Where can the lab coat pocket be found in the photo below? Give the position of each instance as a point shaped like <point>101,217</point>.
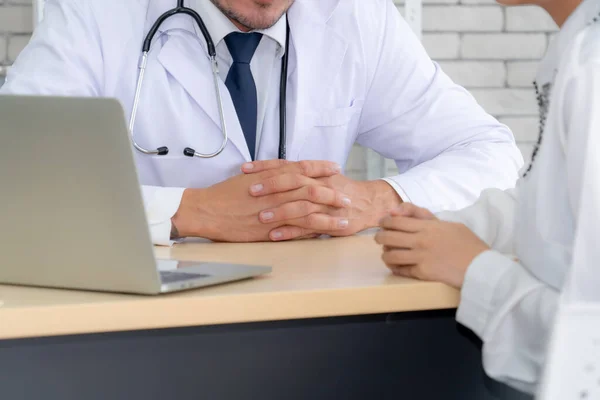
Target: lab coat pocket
<point>330,133</point>
<point>337,116</point>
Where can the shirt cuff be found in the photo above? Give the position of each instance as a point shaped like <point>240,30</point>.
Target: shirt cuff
<point>162,207</point>
<point>477,294</point>
<point>161,234</point>
<point>403,195</point>
<point>411,191</point>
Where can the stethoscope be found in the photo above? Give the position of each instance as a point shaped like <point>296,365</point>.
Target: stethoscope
<point>212,53</point>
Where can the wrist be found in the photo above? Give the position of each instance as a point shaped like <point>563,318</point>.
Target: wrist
<point>384,199</point>
<point>461,271</point>
<point>174,231</point>
<point>191,220</point>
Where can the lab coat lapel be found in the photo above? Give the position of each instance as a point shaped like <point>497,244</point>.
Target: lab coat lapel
<point>316,60</point>
<point>186,60</point>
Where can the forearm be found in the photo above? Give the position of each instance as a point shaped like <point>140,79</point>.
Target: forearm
<point>193,217</point>
<point>174,231</point>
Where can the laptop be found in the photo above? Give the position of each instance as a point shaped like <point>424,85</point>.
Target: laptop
<point>71,208</point>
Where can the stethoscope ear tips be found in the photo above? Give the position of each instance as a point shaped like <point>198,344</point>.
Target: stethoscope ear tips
<point>162,151</point>
<point>189,152</point>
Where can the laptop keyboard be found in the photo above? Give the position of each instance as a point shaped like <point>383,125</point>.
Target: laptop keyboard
<point>171,277</point>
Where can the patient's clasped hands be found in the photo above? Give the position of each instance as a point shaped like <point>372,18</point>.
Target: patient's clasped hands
<point>418,245</point>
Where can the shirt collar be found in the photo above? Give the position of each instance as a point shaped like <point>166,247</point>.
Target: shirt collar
<point>219,25</point>
<point>583,15</point>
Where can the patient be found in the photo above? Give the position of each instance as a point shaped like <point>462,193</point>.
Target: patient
<point>509,253</point>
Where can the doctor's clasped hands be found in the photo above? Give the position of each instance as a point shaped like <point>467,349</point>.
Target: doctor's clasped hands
<point>364,202</point>
<point>280,200</point>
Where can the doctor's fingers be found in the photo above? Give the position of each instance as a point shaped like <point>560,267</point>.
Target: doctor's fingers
<point>322,223</point>
<point>311,236</point>
<point>397,239</point>
<point>311,169</point>
<point>286,233</point>
<point>316,194</point>
<point>282,183</point>
<point>291,210</point>
<point>265,165</point>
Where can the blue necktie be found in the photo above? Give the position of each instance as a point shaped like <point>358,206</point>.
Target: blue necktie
<point>241,83</point>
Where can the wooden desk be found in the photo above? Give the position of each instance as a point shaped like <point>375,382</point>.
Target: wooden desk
<point>319,278</point>
<point>329,322</point>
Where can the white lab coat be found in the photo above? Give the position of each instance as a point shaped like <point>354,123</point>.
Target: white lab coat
<point>357,74</point>
<point>550,220</point>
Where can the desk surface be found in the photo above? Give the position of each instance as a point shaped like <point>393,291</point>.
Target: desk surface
<point>310,279</point>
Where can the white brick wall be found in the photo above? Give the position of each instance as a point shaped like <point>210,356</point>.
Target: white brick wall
<point>442,46</point>
<point>491,50</point>
<point>15,29</point>
<point>503,46</point>
<point>462,19</point>
<point>476,74</point>
<point>521,73</point>
<point>528,19</point>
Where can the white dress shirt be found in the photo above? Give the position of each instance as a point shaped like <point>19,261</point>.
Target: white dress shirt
<point>550,221</point>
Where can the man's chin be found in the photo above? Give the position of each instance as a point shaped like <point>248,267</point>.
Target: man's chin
<point>260,23</point>
<point>254,14</point>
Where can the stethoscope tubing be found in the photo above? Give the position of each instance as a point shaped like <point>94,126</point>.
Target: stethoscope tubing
<point>143,63</point>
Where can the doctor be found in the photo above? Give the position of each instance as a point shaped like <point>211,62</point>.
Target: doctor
<point>511,252</point>
<point>356,74</point>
